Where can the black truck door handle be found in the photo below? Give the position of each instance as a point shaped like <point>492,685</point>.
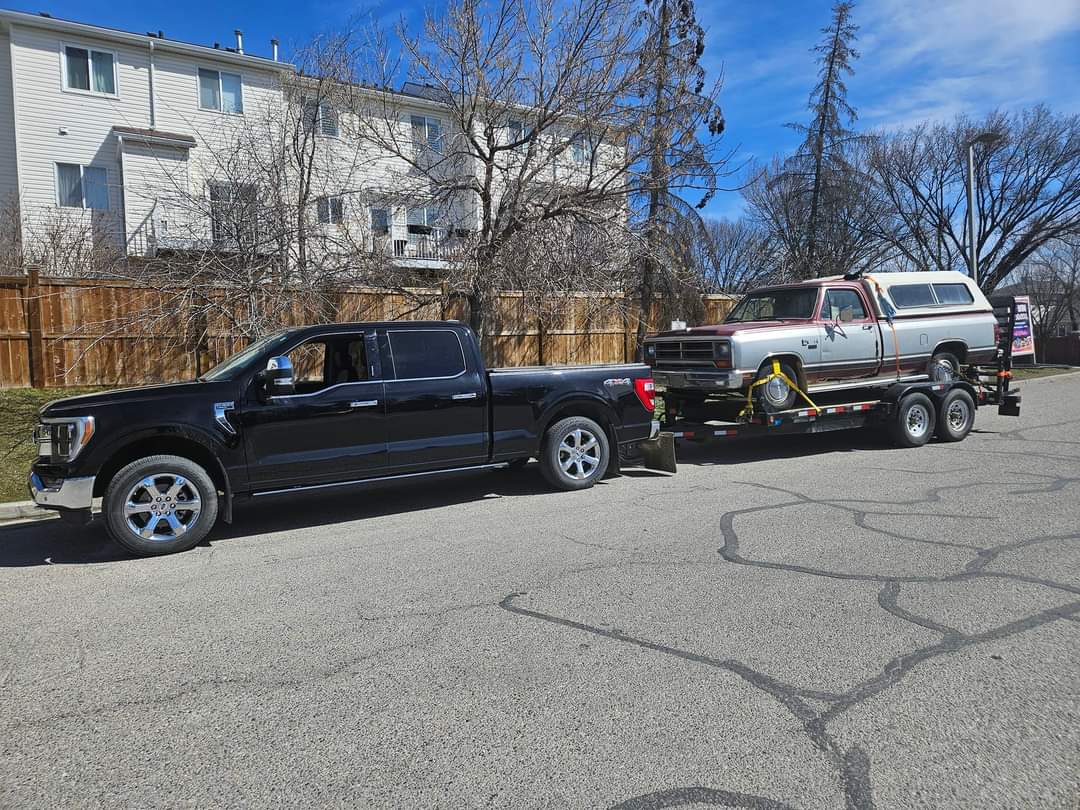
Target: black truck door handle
<point>364,403</point>
<point>471,395</point>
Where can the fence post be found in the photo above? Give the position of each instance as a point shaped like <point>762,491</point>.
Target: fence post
<point>35,328</point>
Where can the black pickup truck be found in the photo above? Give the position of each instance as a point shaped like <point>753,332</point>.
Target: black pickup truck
<point>327,406</point>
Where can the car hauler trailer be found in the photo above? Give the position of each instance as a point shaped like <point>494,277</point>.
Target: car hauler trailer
<point>911,412</point>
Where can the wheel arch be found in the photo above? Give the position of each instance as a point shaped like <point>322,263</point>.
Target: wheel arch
<point>172,445</point>
<point>592,408</point>
<point>796,361</point>
<point>955,346</point>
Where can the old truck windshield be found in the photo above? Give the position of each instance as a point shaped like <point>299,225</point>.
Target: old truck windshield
<point>775,305</point>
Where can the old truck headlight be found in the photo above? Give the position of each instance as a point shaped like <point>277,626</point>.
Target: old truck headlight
<point>722,354</point>
<point>63,439</point>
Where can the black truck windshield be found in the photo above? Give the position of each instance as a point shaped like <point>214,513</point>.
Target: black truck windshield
<point>226,368</point>
<point>775,305</point>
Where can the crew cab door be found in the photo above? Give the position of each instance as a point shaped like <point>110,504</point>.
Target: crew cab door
<point>332,428</point>
<point>849,336</point>
<point>437,399</point>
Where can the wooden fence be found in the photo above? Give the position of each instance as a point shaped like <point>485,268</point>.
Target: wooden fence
<point>71,332</point>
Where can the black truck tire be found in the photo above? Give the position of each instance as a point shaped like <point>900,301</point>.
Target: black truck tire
<point>956,416</point>
<point>914,420</point>
<point>160,505</point>
<point>775,395</point>
<point>575,453</point>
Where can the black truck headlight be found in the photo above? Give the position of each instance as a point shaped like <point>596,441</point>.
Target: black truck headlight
<point>63,439</point>
<point>722,354</point>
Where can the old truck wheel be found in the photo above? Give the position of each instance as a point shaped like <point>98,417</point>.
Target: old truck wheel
<point>575,453</point>
<point>776,394</point>
<point>160,504</point>
<point>944,367</point>
<point>913,422</point>
<point>956,417</point>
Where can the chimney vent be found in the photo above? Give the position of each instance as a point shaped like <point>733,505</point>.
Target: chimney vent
<point>274,47</point>
<point>160,34</point>
<point>239,40</point>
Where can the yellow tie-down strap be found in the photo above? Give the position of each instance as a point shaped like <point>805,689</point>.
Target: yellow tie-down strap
<point>748,411</point>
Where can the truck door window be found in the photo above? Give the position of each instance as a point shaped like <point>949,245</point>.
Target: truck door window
<point>842,305</point>
<point>426,353</point>
<point>309,366</point>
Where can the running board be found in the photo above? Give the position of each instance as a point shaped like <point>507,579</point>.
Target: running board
<point>305,487</point>
<point>873,382</point>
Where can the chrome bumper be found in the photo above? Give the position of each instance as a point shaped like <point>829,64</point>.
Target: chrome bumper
<point>701,380</point>
<point>72,493</point>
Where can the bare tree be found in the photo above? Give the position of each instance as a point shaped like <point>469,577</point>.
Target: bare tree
<point>679,133</point>
<point>528,127</point>
<point>1052,279</point>
<point>1028,183</point>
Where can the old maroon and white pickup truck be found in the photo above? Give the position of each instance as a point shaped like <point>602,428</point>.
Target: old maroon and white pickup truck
<point>829,334</point>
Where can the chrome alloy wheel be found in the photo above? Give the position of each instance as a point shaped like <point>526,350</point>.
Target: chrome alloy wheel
<point>162,507</point>
<point>959,414</point>
<point>579,454</point>
<point>918,420</point>
<point>777,391</point>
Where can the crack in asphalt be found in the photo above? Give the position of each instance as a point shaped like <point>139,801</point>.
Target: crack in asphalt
<point>852,764</point>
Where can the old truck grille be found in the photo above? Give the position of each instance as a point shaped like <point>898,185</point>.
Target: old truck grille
<point>684,352</point>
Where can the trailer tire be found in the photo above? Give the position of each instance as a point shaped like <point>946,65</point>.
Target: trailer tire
<point>914,420</point>
<point>956,416</point>
<point>575,453</point>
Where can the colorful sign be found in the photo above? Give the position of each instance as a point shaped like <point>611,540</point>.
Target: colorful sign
<point>1023,338</point>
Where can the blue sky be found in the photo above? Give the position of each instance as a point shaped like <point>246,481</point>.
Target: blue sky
<point>921,59</point>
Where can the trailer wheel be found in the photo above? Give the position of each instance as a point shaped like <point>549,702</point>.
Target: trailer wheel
<point>956,417</point>
<point>913,423</point>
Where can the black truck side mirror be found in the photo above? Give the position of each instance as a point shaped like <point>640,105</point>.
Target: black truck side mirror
<point>278,377</point>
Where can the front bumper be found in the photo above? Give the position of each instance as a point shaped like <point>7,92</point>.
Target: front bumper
<point>699,380</point>
<point>69,493</point>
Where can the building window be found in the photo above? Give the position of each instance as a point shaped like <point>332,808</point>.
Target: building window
<point>426,134</point>
<point>518,132</point>
<point>421,220</point>
<point>233,214</point>
<point>320,117</point>
<point>579,150</point>
<point>82,186</point>
<point>221,92</point>
<point>380,221</point>
<point>89,70</point>
<point>331,210</point>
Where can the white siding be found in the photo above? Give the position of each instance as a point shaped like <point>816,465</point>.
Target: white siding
<point>155,186</point>
<point>9,175</point>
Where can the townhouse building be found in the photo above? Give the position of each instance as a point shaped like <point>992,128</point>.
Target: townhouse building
<point>139,144</point>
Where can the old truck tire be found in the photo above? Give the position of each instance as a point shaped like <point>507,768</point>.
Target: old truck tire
<point>956,416</point>
<point>943,367</point>
<point>775,395</point>
<point>913,423</point>
<point>160,505</point>
<point>575,453</point>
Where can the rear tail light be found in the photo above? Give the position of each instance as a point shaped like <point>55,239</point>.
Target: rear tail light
<point>646,392</point>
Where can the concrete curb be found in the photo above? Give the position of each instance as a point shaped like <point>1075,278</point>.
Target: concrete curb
<point>23,510</point>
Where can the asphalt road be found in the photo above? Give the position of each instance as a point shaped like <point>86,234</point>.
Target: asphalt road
<point>819,622</point>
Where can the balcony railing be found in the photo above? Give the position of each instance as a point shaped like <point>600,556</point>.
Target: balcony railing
<point>400,244</point>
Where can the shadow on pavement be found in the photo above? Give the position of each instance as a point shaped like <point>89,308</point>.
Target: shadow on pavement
<point>768,448</point>
<point>52,542</point>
